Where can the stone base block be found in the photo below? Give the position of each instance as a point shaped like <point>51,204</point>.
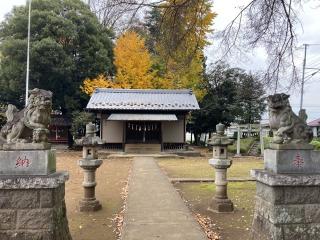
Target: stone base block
<point>26,146</point>
<point>292,161</point>
<point>27,162</point>
<point>89,205</point>
<point>291,146</point>
<point>33,208</point>
<point>287,206</point>
<point>221,206</point>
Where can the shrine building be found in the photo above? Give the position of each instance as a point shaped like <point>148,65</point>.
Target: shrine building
<point>142,120</point>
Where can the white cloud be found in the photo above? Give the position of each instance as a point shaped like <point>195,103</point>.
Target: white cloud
<point>7,5</point>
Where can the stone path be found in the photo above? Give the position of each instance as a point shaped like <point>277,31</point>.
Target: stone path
<point>154,209</point>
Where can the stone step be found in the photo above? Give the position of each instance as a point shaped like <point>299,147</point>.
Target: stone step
<point>254,149</point>
<point>143,148</point>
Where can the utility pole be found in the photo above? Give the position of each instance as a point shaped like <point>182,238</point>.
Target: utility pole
<point>303,72</point>
<point>28,54</point>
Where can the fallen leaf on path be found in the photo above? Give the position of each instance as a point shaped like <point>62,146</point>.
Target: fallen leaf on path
<point>207,224</point>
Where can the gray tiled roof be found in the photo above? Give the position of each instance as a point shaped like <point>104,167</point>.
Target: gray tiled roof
<point>142,99</point>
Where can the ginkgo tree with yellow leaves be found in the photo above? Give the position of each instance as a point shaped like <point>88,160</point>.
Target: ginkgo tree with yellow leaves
<point>101,81</point>
<point>133,64</point>
<point>176,38</point>
<point>181,42</point>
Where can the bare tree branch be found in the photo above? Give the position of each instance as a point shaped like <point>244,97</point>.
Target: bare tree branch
<point>269,24</point>
<point>261,23</point>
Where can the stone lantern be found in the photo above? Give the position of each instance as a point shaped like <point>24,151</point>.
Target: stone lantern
<point>221,163</point>
<point>89,164</point>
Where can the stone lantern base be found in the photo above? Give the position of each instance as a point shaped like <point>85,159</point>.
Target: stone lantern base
<point>221,205</point>
<point>89,206</point>
<point>89,203</point>
<point>220,202</point>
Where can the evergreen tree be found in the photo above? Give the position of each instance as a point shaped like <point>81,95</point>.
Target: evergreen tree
<point>231,96</point>
<point>68,44</point>
<point>250,99</point>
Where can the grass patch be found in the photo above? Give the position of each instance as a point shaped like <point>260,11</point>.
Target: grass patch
<point>245,144</point>
<point>199,167</point>
<point>266,143</point>
<point>232,225</point>
<point>316,143</point>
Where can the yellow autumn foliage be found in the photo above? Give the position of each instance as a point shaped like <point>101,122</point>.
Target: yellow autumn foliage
<point>133,62</point>
<point>133,68</point>
<point>101,81</point>
<point>183,37</point>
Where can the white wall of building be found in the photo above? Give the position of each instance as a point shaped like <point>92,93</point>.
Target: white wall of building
<point>173,132</point>
<point>315,131</point>
<point>112,131</point>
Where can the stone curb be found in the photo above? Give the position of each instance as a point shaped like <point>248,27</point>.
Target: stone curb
<point>190,180</point>
<point>157,156</point>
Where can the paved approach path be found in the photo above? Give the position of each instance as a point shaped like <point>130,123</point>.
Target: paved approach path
<point>154,208</point>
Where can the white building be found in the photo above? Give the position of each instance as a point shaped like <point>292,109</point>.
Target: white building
<point>315,125</point>
<point>147,119</point>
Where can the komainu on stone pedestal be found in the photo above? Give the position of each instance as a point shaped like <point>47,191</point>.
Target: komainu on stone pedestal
<point>32,193</point>
<point>287,196</point>
<point>289,127</point>
<point>30,125</point>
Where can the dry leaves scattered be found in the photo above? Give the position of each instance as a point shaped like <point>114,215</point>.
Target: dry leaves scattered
<point>119,217</point>
<point>207,225</point>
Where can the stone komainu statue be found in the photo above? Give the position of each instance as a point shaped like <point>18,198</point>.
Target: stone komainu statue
<point>31,123</point>
<point>289,127</point>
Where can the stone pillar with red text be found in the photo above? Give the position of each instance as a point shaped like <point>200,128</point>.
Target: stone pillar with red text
<point>288,194</point>
<point>32,195</point>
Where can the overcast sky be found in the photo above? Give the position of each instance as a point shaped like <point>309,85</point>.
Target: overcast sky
<point>310,34</point>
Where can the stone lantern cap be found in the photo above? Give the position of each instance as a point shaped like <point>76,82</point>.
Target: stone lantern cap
<point>219,139</point>
<point>90,139</point>
<point>90,129</point>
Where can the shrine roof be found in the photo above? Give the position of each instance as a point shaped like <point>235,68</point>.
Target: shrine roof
<point>143,99</point>
<point>314,123</point>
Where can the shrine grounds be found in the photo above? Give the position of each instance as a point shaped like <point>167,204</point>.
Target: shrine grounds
<point>112,179</point>
<point>197,195</point>
<point>111,189</point>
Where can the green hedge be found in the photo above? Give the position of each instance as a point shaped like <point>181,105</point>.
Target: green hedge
<point>316,143</point>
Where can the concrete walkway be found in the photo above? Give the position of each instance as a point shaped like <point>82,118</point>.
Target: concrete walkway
<point>154,208</point>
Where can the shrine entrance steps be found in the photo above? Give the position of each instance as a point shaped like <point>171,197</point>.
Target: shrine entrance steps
<point>154,209</point>
<point>143,148</point>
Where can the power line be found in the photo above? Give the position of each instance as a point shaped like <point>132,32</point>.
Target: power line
<point>304,70</point>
